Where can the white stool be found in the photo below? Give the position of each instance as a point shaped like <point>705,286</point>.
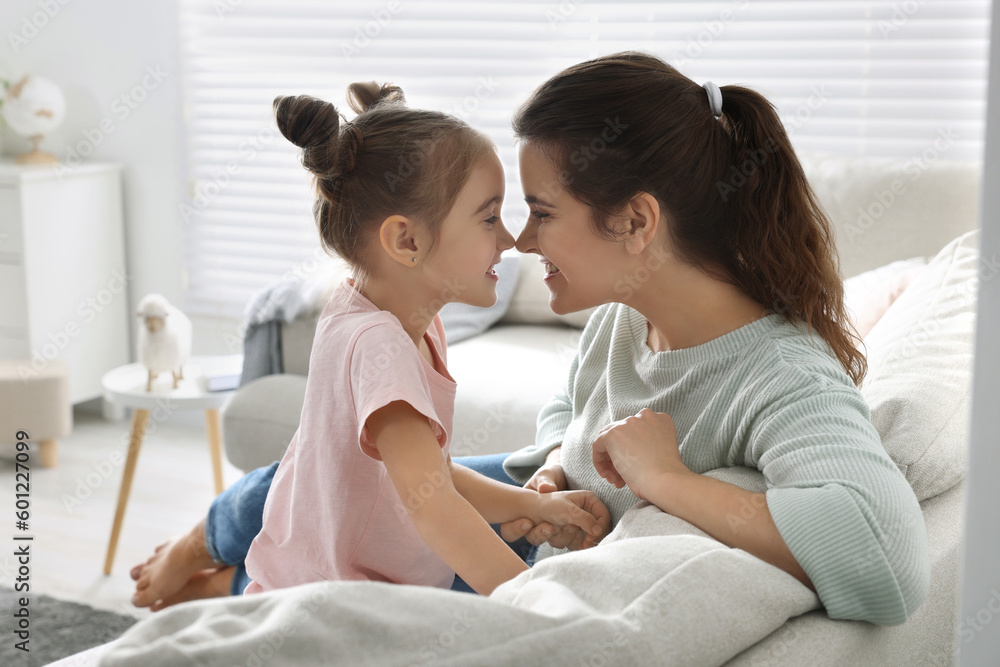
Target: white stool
<point>35,401</point>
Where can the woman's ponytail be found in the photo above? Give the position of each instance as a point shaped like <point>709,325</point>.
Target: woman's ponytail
<point>782,239</point>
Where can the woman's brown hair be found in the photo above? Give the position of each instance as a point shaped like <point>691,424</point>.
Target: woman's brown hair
<point>388,160</point>
<point>735,197</point>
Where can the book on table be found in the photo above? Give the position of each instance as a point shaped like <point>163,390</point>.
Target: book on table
<point>221,372</point>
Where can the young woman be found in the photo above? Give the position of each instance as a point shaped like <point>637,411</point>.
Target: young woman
<point>721,341</point>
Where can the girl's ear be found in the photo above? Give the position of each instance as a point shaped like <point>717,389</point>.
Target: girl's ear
<point>642,217</point>
<point>398,237</point>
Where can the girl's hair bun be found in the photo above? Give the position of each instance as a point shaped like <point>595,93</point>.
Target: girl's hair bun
<point>364,95</point>
<point>310,124</point>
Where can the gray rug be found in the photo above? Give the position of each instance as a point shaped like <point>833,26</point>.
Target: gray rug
<point>57,629</point>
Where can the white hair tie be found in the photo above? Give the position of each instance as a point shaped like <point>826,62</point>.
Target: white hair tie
<point>714,98</point>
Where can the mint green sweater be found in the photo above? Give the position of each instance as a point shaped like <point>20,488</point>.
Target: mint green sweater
<point>769,396</point>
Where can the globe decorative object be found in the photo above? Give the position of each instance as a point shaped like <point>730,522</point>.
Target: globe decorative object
<point>33,108</point>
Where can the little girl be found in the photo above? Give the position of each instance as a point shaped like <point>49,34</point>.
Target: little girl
<point>366,489</point>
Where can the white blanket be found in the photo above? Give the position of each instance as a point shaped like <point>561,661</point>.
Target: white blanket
<point>656,591</point>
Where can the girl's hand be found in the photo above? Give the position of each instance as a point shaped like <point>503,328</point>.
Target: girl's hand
<point>547,479</point>
<point>581,515</point>
<point>638,451</point>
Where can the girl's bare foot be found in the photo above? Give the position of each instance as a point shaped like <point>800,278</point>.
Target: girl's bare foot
<point>204,584</point>
<point>171,566</point>
<point>136,571</point>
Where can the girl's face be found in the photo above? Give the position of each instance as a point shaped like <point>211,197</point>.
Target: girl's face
<point>582,268</point>
<point>471,239</point>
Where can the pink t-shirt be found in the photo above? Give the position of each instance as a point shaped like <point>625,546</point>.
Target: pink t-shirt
<point>332,512</point>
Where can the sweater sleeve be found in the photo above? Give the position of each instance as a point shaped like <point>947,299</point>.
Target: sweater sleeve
<point>555,417</point>
<point>844,509</point>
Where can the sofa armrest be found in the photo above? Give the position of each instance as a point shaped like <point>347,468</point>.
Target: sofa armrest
<point>260,419</point>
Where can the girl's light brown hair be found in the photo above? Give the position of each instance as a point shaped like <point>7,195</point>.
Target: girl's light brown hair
<point>388,160</point>
<point>735,198</point>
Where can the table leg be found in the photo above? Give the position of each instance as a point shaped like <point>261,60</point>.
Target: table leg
<point>49,449</point>
<point>139,419</point>
<point>215,446</point>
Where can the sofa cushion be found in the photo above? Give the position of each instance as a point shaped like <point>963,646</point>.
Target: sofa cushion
<point>919,382</point>
<point>886,209</point>
<point>868,295</point>
<point>504,378</point>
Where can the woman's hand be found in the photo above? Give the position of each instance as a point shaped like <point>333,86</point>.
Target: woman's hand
<point>638,451</point>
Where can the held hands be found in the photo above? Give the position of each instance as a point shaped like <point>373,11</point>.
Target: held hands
<point>638,451</point>
<point>578,516</point>
<point>551,478</point>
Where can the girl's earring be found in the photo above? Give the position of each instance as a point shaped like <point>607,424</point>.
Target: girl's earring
<point>413,259</point>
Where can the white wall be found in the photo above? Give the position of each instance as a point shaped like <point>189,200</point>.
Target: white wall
<point>98,51</point>
<point>979,614</point>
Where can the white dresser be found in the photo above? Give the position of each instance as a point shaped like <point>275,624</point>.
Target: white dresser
<point>63,286</point>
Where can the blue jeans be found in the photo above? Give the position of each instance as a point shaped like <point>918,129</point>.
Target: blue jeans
<point>236,515</point>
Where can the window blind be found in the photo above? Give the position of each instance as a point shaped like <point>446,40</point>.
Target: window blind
<point>877,79</point>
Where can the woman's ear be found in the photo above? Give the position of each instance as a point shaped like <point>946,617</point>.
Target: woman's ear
<point>398,237</point>
<point>642,216</point>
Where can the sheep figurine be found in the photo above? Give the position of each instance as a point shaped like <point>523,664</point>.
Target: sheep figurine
<point>164,338</point>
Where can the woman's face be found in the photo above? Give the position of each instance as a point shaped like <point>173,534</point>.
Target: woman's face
<point>582,268</point>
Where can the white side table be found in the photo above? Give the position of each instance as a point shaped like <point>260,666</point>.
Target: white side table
<point>126,386</point>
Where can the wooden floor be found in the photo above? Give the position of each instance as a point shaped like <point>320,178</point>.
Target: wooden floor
<point>72,506</point>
